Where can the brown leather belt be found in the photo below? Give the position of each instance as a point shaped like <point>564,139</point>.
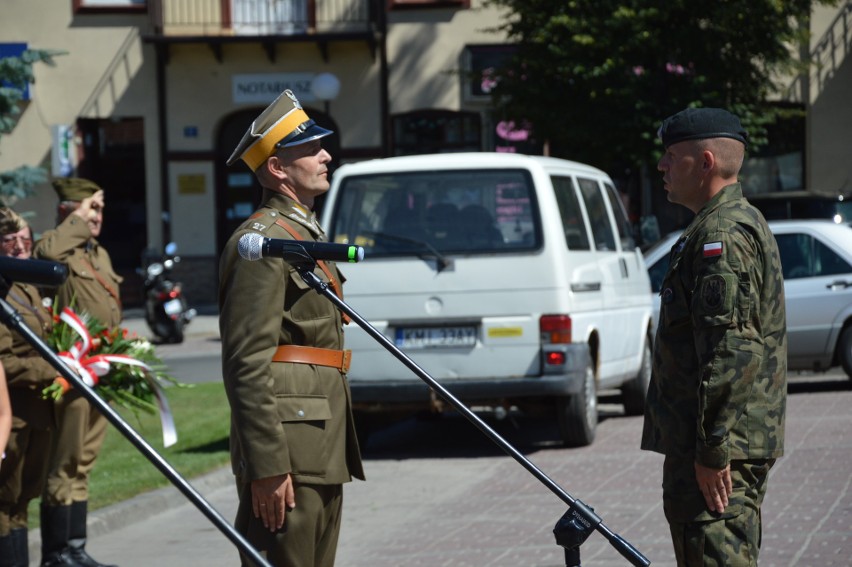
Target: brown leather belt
<point>339,359</point>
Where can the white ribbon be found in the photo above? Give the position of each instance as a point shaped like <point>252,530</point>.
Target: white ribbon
<point>90,368</point>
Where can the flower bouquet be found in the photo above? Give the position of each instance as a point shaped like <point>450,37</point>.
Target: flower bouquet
<point>121,368</point>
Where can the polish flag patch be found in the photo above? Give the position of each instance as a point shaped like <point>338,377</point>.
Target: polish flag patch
<point>712,249</point>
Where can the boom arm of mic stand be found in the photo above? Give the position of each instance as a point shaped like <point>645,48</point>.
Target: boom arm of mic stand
<point>12,319</point>
<point>622,546</point>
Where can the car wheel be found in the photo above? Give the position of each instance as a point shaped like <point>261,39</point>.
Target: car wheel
<point>577,415</point>
<point>634,392</point>
<point>844,350</point>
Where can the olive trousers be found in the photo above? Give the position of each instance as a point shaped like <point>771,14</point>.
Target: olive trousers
<point>310,533</point>
<point>80,434</point>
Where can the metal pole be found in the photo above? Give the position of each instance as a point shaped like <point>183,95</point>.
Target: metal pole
<point>577,507</point>
<point>13,320</point>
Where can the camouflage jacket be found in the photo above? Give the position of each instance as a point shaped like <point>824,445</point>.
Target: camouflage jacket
<point>719,384</point>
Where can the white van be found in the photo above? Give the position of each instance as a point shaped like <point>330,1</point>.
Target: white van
<point>513,280</point>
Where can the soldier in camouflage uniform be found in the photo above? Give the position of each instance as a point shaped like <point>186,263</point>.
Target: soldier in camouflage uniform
<point>717,398</point>
<point>93,287</point>
<point>293,441</point>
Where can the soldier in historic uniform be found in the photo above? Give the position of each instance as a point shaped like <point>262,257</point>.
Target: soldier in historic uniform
<point>717,398</point>
<point>293,440</point>
<point>23,471</point>
<point>92,287</point>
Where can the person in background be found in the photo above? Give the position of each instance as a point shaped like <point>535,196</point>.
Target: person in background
<point>23,472</point>
<point>717,398</point>
<point>92,287</point>
<point>293,441</point>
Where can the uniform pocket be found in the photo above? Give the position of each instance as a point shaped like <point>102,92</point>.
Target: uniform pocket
<point>303,303</point>
<point>305,422</point>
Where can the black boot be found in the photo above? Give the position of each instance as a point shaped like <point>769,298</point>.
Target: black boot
<point>22,550</point>
<point>54,537</point>
<point>9,552</point>
<point>77,536</point>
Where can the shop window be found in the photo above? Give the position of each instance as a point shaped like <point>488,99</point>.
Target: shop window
<point>436,131</point>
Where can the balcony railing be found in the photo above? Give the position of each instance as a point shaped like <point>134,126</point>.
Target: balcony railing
<point>826,58</point>
<point>260,17</point>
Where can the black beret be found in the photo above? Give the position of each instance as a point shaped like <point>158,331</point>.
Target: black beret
<point>699,124</point>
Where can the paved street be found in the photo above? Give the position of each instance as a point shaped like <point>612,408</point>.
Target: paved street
<point>440,494</point>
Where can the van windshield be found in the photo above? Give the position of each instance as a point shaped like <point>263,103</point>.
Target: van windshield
<point>438,212</point>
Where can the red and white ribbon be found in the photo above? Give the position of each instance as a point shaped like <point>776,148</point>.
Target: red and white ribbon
<point>90,368</point>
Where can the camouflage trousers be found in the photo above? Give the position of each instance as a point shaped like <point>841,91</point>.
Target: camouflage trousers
<point>712,539</point>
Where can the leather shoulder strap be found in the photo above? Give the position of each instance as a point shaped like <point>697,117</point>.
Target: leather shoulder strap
<point>332,281</point>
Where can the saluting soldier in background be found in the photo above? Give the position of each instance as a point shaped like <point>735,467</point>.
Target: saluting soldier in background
<point>93,287</point>
<point>23,471</point>
<point>716,403</point>
<point>293,440</point>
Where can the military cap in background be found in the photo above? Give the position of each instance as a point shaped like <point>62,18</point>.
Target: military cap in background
<point>284,123</point>
<point>10,221</point>
<point>700,124</point>
<point>74,188</point>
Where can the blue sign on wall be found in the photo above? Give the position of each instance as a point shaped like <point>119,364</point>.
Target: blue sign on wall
<point>14,50</point>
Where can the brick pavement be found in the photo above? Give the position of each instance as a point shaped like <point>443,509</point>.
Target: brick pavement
<point>440,494</point>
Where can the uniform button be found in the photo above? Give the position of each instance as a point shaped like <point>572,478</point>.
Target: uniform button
<point>300,413</point>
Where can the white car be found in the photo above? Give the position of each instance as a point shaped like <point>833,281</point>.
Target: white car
<point>816,258</point>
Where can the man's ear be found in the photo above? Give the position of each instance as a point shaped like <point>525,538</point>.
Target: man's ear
<point>63,210</point>
<point>273,168</point>
<point>708,161</point>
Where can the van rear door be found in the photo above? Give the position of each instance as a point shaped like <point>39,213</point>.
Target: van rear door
<point>451,271</point>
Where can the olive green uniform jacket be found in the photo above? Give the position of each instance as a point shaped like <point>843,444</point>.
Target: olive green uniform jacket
<point>27,373</point>
<point>23,472</point>
<point>718,389</point>
<point>92,283</point>
<point>285,417</point>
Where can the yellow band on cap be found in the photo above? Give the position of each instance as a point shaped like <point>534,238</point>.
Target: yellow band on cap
<point>257,153</point>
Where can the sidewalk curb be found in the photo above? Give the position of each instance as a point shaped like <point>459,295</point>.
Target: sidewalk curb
<point>142,506</point>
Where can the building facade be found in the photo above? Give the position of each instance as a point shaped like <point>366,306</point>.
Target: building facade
<point>151,97</point>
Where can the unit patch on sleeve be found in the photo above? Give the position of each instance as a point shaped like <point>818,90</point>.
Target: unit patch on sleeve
<point>713,293</point>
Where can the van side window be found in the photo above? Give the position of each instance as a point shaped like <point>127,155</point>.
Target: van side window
<point>441,211</point>
<point>625,233</point>
<point>573,223</point>
<point>599,219</point>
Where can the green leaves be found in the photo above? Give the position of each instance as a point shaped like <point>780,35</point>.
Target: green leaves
<point>16,73</point>
<point>599,75</point>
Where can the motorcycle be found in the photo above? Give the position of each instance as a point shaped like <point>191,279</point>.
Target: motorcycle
<point>166,310</point>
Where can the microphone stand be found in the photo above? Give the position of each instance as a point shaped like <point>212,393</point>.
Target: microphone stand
<point>12,319</point>
<point>575,525</point>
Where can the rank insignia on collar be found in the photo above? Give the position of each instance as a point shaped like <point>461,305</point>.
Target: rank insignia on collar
<point>712,249</point>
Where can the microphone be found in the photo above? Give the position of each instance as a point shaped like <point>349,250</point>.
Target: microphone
<point>37,272</point>
<point>253,246</point>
